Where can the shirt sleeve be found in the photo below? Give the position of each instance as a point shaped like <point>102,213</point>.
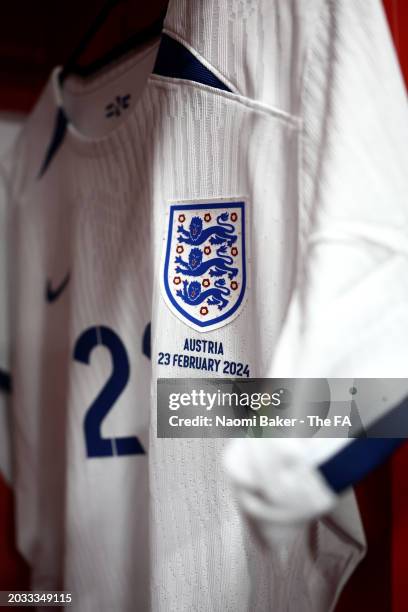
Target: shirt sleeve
<point>348,315</point>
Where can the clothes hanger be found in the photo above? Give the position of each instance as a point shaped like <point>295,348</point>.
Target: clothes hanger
<point>73,67</point>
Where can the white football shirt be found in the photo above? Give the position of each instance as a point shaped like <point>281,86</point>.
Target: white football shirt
<point>187,198</point>
<point>81,510</point>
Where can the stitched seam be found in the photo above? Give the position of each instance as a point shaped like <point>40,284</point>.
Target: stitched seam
<point>289,120</point>
<point>304,80</point>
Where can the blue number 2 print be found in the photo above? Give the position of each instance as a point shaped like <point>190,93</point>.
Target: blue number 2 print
<point>96,445</point>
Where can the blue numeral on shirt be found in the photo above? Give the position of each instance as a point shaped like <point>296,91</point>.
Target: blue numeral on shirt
<point>96,445</point>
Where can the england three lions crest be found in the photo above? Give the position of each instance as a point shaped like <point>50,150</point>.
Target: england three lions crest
<point>204,274</point>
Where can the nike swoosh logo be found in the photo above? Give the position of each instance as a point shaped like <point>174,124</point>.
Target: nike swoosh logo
<point>51,294</point>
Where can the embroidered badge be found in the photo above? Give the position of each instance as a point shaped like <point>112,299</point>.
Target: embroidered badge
<point>204,276</point>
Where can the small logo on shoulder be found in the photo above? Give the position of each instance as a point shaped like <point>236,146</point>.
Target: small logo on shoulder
<point>204,277</point>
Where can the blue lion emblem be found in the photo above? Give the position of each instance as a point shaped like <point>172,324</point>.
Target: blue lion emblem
<point>193,295</point>
<point>195,235</point>
<point>204,268</point>
<point>217,265</point>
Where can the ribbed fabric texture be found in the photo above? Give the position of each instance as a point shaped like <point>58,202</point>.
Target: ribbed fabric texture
<point>297,143</point>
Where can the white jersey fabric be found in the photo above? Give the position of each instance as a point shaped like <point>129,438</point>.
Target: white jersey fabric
<point>223,152</point>
<point>325,62</point>
<point>81,521</point>
<point>348,315</point>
